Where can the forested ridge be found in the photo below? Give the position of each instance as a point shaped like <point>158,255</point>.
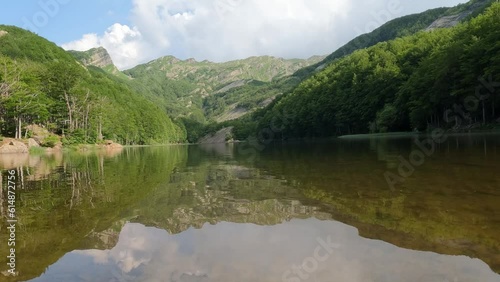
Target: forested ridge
<point>203,91</point>
<point>259,123</point>
<point>187,88</point>
<point>399,27</point>
<point>400,77</point>
<point>443,78</point>
<point>42,84</point>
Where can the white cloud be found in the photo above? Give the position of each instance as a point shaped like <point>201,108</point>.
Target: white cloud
<point>124,44</point>
<point>222,30</point>
<point>88,41</point>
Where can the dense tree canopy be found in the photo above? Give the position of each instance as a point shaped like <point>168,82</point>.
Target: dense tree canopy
<point>42,84</point>
<point>440,78</point>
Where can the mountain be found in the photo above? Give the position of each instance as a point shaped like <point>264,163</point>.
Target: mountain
<point>226,104</point>
<point>97,57</point>
<point>203,97</point>
<point>209,76</point>
<point>403,26</point>
<point>43,84</point>
<point>225,93</point>
<point>439,78</point>
<point>201,93</point>
<point>182,87</point>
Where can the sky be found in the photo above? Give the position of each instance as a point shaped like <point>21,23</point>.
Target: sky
<point>138,31</point>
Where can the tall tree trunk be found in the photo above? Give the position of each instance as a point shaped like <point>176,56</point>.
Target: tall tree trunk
<point>70,111</point>
<point>86,122</point>
<point>99,130</point>
<point>19,127</point>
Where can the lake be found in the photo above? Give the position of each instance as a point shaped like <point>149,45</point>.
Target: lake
<point>389,208</point>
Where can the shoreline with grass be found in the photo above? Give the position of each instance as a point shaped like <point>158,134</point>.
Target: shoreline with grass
<point>50,145</point>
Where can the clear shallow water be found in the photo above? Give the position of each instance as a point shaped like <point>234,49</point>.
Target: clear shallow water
<point>291,212</point>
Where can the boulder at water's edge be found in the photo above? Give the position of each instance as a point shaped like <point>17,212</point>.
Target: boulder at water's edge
<point>12,146</point>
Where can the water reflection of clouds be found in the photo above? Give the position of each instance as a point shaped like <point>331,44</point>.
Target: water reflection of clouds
<point>247,252</point>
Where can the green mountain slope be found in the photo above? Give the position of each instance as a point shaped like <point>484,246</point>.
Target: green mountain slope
<point>237,99</point>
<point>198,94</point>
<point>441,78</point>
<point>43,84</point>
<point>182,87</point>
<point>224,107</point>
<point>400,27</point>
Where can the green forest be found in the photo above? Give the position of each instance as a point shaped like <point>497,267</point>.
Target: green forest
<point>442,78</point>
<point>42,84</point>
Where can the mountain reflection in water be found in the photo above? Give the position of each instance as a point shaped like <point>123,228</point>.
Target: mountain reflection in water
<point>217,213</point>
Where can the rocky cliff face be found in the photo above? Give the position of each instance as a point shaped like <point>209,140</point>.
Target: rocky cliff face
<point>98,57</point>
<point>461,13</point>
<point>448,21</point>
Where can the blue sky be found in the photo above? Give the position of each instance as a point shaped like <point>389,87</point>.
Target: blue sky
<point>72,19</point>
<point>136,31</point>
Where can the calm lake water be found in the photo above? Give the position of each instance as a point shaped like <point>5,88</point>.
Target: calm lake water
<point>353,209</point>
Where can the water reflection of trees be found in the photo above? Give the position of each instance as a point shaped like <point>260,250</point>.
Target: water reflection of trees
<point>426,212</point>
<point>77,201</point>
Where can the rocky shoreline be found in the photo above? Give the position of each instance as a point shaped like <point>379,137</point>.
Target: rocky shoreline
<point>21,146</point>
<point>13,146</point>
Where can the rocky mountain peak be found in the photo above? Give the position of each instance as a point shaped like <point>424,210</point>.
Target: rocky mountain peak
<point>98,57</point>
